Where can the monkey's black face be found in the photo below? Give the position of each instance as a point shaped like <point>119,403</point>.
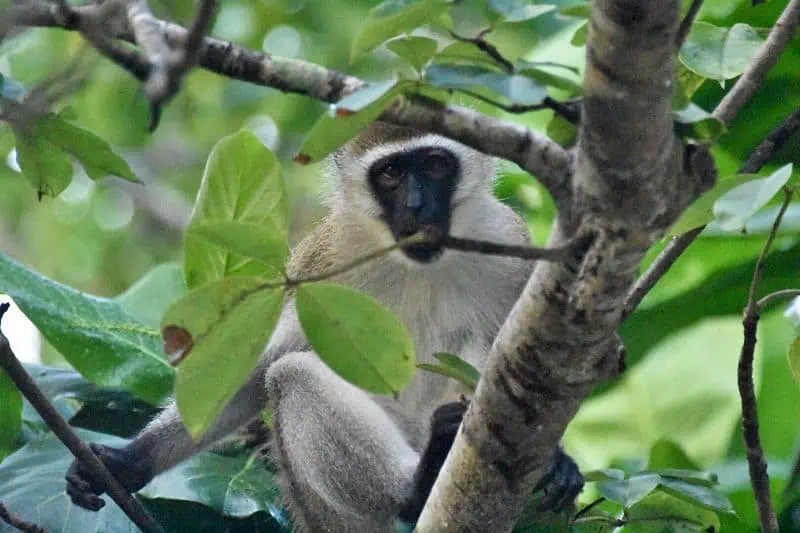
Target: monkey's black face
<point>414,190</point>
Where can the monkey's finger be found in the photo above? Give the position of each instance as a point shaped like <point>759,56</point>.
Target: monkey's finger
<point>574,487</point>
<point>87,500</point>
<point>545,481</point>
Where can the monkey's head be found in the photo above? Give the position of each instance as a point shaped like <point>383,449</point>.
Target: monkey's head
<point>397,181</point>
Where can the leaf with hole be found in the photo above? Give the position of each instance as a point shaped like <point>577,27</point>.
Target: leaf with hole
<point>416,51</point>
<point>391,18</point>
<point>519,10</point>
<point>734,208</point>
<point>515,88</point>
<point>242,188</point>
<point>222,329</point>
<point>357,336</point>
<point>719,53</point>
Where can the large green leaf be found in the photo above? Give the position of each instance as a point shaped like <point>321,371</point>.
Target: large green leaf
<point>719,53</point>
<point>416,51</point>
<point>515,88</point>
<point>629,491</point>
<point>348,117</point>
<point>242,183</point>
<point>95,335</point>
<point>359,338</point>
<point>391,18</point>
<point>736,206</point>
<point>219,331</point>
<point>148,298</point>
<point>10,415</point>
<point>237,486</point>
<point>32,486</point>
<point>662,513</point>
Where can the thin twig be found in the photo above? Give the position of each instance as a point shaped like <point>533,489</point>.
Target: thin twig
<point>560,254</point>
<point>569,110</point>
<point>589,507</point>
<point>61,429</point>
<point>687,22</point>
<point>764,302</point>
<point>17,522</point>
<point>756,461</point>
<point>753,77</point>
<point>487,48</point>
<point>659,267</point>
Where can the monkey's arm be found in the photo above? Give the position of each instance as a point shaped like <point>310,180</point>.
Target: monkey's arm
<point>163,444</point>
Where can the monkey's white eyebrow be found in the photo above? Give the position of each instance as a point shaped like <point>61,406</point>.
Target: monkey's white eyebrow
<point>426,141</point>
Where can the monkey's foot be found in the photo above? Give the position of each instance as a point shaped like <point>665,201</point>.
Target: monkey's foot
<point>561,485</point>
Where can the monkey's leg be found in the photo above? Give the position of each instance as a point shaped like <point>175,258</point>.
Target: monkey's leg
<point>161,445</point>
<point>345,466</point>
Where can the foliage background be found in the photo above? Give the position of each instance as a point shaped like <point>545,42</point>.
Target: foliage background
<point>683,343</point>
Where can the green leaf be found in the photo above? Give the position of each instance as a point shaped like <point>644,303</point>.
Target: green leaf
<point>579,10</point>
<point>519,10</point>
<point>516,88</point>
<point>794,359</point>
<point>391,18</point>
<point>719,53</point>
<point>604,474</point>
<point>32,486</point>
<point>43,164</point>
<point>662,513</point>
<point>548,78</point>
<point>263,241</point>
<point>693,477</point>
<point>703,496</point>
<point>92,152</point>
<point>351,115</point>
<point>359,338</point>
<point>701,212</point>
<point>696,124</point>
<point>465,53</point>
<point>734,208</point>
<point>629,491</point>
<point>416,51</point>
<point>95,335</point>
<point>237,486</point>
<point>666,454</point>
<point>580,35</point>
<point>218,333</point>
<point>148,298</point>
<point>242,183</point>
<point>454,367</point>
<point>562,131</point>
<point>10,415</point>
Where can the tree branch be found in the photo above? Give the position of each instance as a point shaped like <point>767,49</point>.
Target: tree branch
<point>630,184</point>
<point>535,153</point>
<point>756,461</point>
<point>17,522</point>
<point>766,58</point>
<point>79,449</point>
<point>764,302</point>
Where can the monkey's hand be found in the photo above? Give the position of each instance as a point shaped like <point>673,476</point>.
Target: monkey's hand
<point>445,422</point>
<point>85,491</point>
<point>561,484</point>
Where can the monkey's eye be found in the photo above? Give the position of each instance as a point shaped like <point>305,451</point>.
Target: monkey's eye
<point>390,177</point>
<point>438,166</point>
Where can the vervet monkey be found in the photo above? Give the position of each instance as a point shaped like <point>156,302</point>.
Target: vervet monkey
<point>351,461</point>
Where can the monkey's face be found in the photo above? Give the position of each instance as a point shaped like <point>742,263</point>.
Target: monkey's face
<point>396,182</point>
<point>414,189</point>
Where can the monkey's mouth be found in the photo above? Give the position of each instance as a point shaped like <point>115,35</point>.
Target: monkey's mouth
<point>428,251</point>
<point>424,252</point>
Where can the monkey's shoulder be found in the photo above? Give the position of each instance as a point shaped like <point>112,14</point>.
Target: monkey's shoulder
<point>314,254</point>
